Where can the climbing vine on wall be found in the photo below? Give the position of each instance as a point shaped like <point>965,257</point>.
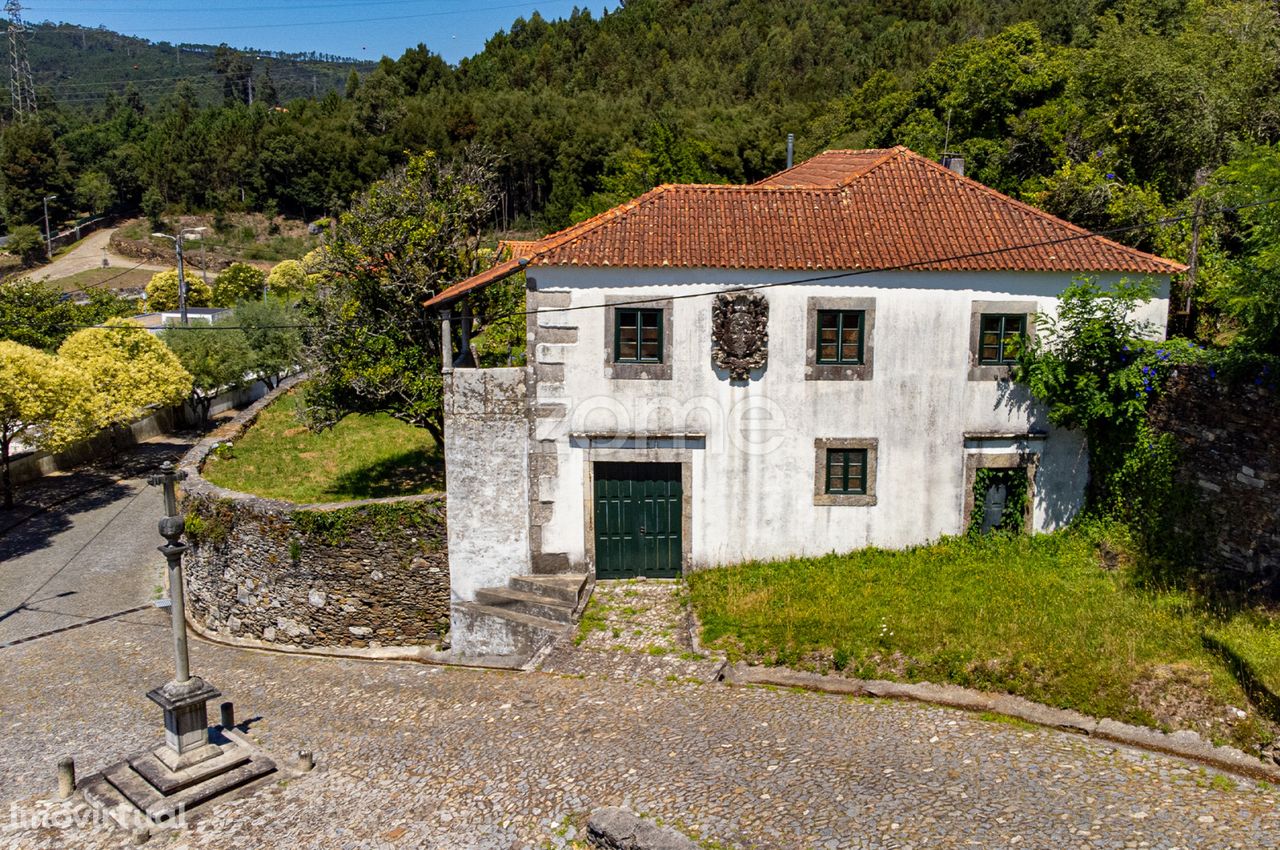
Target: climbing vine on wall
<point>1013,516</point>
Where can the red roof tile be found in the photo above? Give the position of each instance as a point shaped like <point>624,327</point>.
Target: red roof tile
<point>830,169</point>
<point>840,211</point>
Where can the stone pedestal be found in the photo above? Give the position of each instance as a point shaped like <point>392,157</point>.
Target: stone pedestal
<point>186,716</point>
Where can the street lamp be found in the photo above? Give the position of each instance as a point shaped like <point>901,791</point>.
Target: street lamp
<point>182,280</point>
<point>48,239</point>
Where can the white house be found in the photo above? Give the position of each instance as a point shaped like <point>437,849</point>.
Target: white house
<point>814,363</point>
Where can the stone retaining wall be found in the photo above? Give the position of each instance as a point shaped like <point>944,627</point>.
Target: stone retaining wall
<point>355,574</point>
<point>1230,462</point>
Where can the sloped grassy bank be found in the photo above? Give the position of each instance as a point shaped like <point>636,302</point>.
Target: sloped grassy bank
<point>1062,619</point>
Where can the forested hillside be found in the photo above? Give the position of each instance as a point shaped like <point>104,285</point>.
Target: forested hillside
<point>1108,113</point>
<point>76,66</point>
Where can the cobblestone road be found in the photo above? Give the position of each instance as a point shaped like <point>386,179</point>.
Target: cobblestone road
<point>415,756</point>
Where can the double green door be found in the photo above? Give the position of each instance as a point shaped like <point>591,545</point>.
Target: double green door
<point>638,508</point>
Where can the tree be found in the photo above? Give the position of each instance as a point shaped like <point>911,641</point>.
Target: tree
<point>270,326</point>
<point>43,403</point>
<point>162,291</point>
<point>32,166</point>
<point>217,356</point>
<point>238,282</point>
<point>1095,368</point>
<point>1250,291</point>
<point>35,314</point>
<point>94,192</point>
<point>100,305</point>
<point>129,371</point>
<point>412,233</point>
<point>287,279</point>
<point>27,243</point>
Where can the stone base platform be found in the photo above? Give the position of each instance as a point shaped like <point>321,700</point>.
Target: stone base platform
<point>146,788</point>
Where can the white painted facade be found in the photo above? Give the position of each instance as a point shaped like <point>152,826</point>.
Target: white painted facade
<point>751,477</point>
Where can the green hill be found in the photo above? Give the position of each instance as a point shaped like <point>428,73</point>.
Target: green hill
<point>77,67</point>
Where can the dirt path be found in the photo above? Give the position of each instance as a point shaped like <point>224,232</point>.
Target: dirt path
<point>88,255</point>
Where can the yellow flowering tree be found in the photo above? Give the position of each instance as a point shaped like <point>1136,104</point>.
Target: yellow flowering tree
<point>44,403</point>
<point>162,291</point>
<point>129,370</point>
<point>287,280</point>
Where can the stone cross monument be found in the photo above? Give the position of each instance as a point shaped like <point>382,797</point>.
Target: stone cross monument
<point>186,721</point>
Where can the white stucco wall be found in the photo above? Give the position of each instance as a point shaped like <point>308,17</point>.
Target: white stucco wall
<point>485,449</point>
<point>753,478</point>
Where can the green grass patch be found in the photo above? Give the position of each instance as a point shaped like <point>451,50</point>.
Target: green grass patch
<point>112,278</point>
<point>1035,616</point>
<point>362,457</point>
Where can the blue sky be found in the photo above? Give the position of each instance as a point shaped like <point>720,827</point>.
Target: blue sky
<point>364,29</point>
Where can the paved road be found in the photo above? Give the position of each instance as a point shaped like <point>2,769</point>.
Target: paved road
<point>82,546</point>
<point>88,255</point>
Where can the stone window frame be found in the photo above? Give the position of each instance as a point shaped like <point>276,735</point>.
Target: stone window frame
<point>871,445</point>
<point>815,371</point>
<point>976,459</point>
<point>638,371</point>
<point>977,309</point>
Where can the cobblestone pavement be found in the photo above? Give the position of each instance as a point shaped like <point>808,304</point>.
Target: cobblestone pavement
<point>637,629</point>
<point>83,545</point>
<point>416,756</point>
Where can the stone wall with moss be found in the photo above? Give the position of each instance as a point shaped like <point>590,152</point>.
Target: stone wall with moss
<point>1229,468</point>
<point>356,574</point>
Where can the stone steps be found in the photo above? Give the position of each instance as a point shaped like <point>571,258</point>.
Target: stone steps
<point>524,602</point>
<point>142,784</point>
<point>567,587</point>
<point>516,621</point>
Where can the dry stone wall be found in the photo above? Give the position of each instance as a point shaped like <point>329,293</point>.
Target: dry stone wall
<point>1229,460</point>
<point>357,574</point>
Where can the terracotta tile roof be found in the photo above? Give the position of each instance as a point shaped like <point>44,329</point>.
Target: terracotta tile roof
<point>830,169</point>
<point>891,209</point>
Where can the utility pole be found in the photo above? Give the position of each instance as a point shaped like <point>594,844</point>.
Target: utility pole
<point>48,238</point>
<point>182,280</point>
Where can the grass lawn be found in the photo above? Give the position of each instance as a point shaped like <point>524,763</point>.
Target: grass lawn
<point>119,279</point>
<point>1035,616</point>
<point>362,457</point>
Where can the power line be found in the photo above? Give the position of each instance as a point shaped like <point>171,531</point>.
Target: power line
<point>792,281</point>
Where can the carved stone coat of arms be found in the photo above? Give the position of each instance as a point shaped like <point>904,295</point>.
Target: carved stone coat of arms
<point>740,333</point>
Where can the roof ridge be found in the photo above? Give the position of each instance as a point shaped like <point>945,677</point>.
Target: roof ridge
<point>889,154</point>
<point>804,162</point>
<point>1036,212</point>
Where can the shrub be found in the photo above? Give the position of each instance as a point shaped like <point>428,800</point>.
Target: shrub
<point>162,291</point>
<point>238,282</point>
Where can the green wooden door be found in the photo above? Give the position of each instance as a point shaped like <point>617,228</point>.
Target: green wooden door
<point>638,510</point>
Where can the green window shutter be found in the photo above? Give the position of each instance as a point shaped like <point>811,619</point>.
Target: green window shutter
<point>840,336</point>
<point>637,335</point>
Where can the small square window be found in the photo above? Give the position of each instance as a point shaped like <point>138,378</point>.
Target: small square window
<point>998,338</point>
<point>840,336</point>
<point>637,336</point>
<point>846,472</point>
